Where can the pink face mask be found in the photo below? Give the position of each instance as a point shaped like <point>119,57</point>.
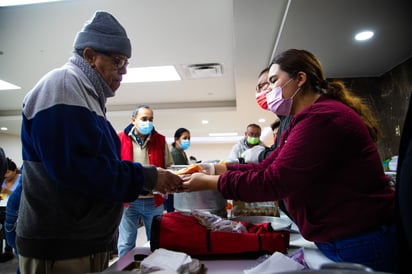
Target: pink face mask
<point>277,104</point>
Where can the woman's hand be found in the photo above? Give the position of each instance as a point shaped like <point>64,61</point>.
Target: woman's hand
<point>199,181</point>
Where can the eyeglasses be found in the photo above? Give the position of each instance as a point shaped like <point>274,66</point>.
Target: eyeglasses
<point>119,62</point>
<point>262,86</point>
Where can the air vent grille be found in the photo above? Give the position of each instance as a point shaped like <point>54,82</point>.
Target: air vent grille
<point>207,70</point>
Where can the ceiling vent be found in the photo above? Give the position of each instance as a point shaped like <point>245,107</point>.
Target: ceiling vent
<point>208,70</point>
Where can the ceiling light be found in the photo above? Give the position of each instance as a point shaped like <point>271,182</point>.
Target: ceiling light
<point>5,3</point>
<point>364,35</point>
<point>205,122</point>
<point>262,120</point>
<point>151,74</point>
<point>223,134</point>
<point>6,86</point>
<point>3,128</point>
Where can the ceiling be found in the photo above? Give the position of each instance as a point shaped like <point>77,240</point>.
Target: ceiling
<point>241,35</point>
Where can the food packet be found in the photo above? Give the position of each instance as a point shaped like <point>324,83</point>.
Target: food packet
<point>216,223</point>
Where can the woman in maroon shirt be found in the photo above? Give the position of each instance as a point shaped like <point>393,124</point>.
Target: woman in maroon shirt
<point>326,167</point>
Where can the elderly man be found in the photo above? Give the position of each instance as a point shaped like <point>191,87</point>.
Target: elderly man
<point>75,182</point>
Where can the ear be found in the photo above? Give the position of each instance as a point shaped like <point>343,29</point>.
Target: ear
<point>90,56</point>
<point>301,78</point>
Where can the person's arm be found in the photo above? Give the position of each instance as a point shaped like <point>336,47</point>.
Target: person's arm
<point>203,182</point>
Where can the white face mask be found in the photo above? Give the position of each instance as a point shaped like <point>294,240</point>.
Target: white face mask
<point>277,104</point>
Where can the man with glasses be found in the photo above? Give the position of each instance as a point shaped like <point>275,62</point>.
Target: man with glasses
<point>263,85</point>
<point>75,182</point>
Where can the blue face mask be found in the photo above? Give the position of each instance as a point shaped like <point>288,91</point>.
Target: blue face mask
<point>145,127</point>
<point>185,144</point>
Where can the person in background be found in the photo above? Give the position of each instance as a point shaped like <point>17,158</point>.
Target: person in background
<point>251,142</point>
<point>11,179</point>
<point>74,181</point>
<point>140,142</point>
<point>263,87</point>
<point>10,222</point>
<point>327,167</point>
<point>180,144</point>
<point>275,129</point>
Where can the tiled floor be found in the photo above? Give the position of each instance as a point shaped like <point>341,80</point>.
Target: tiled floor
<point>10,266</point>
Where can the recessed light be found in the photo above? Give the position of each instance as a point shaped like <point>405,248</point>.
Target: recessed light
<point>262,120</point>
<point>151,74</point>
<point>364,35</point>
<point>205,122</point>
<point>6,85</point>
<point>3,128</point>
<point>5,3</point>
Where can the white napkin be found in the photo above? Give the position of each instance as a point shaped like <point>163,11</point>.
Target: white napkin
<point>163,259</point>
<point>275,264</point>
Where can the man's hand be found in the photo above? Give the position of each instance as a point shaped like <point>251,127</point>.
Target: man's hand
<point>167,181</point>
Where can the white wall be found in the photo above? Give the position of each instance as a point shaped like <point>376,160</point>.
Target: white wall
<point>11,145</point>
<point>208,152</point>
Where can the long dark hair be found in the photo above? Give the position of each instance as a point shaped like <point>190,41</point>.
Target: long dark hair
<point>178,134</point>
<point>293,61</point>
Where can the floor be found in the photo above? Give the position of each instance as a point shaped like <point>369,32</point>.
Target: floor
<point>10,266</point>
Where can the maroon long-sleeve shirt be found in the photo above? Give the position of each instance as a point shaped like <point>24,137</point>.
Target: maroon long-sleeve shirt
<point>328,171</point>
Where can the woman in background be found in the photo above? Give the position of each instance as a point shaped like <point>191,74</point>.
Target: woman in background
<point>180,144</point>
<point>10,183</point>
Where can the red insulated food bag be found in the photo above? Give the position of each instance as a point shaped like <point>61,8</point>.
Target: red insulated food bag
<point>182,232</point>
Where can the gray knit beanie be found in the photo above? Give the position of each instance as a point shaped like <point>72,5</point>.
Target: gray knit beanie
<point>103,33</point>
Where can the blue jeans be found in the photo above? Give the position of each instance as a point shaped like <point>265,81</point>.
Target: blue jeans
<point>144,208</point>
<point>376,249</point>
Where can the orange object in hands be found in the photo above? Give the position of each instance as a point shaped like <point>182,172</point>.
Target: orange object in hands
<point>229,206</point>
<point>193,168</point>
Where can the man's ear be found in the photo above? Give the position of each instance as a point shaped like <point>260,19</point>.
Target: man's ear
<point>90,56</point>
